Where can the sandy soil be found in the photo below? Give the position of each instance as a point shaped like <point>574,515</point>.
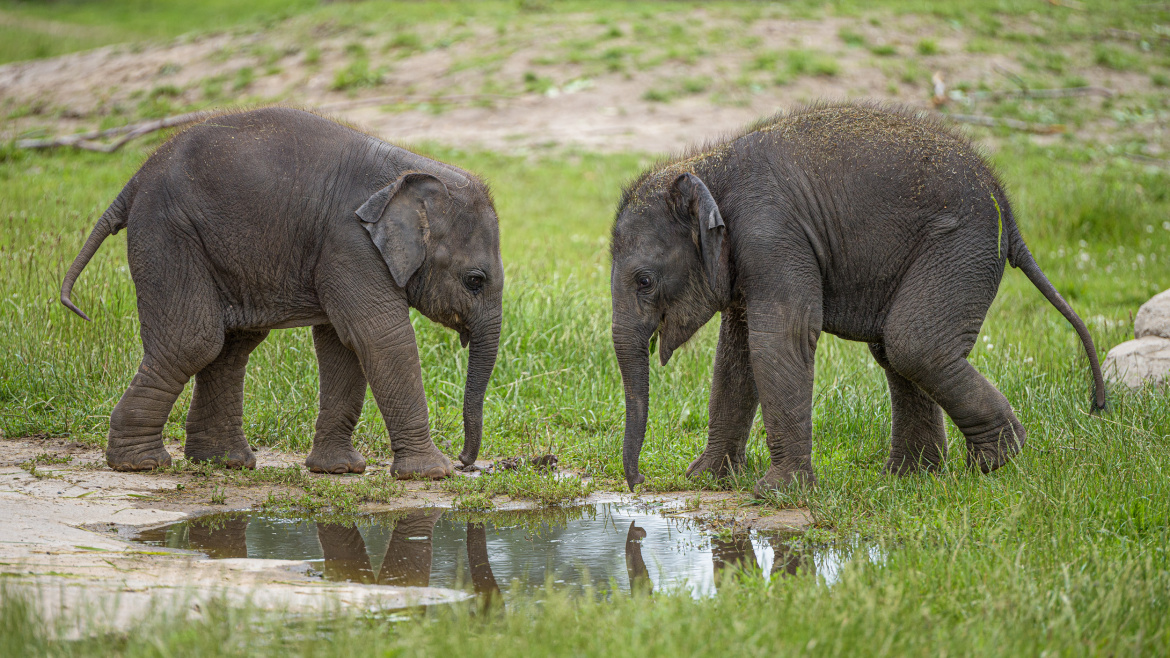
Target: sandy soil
<point>439,94</point>
<point>67,534</point>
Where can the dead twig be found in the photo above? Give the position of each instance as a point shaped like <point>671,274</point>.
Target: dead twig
<point>88,140</point>
<point>1063,92</point>
<point>1129,35</point>
<point>1011,76</point>
<point>1145,159</point>
<point>1014,124</point>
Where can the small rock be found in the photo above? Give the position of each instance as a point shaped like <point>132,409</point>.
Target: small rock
<point>1137,362</point>
<point>1153,318</point>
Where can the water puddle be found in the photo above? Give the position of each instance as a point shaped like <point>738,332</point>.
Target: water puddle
<point>509,553</point>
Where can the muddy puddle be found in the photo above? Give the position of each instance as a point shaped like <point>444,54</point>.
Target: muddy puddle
<point>504,554</point>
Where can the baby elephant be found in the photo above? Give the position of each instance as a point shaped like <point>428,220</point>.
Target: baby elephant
<point>280,218</point>
<point>871,224</point>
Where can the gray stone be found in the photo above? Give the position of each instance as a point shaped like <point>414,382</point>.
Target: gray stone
<point>1153,318</point>
<point>1137,362</point>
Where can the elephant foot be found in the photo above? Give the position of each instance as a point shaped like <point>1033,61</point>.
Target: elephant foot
<point>335,459</point>
<point>229,453</point>
<point>778,479</point>
<point>428,465</point>
<point>137,457</point>
<point>903,465</point>
<point>998,448</point>
<point>719,464</point>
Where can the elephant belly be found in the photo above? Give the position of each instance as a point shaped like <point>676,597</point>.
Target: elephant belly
<point>854,319</point>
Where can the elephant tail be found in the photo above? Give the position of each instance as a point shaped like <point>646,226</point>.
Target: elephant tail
<point>1021,258</point>
<point>111,221</point>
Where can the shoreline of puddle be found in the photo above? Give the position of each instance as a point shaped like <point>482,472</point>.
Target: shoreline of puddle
<point>505,554</point>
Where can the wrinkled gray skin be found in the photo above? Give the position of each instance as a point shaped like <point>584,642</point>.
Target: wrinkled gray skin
<point>280,218</point>
<point>869,224</point>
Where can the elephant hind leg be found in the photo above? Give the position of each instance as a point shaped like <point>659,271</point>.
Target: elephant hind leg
<point>177,346</point>
<point>918,438</point>
<point>215,422</point>
<point>930,328</point>
<point>343,391</point>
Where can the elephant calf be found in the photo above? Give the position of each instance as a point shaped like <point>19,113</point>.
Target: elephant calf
<point>871,224</point>
<point>279,218</point>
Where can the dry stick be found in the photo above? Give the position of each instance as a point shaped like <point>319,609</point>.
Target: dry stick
<point>1145,159</point>
<point>1129,35</point>
<point>133,131</point>
<point>1062,92</point>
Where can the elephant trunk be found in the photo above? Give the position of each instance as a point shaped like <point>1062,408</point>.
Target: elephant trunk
<point>481,360</point>
<point>632,345</point>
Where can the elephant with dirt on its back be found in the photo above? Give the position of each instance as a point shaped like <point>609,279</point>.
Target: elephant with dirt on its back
<point>872,224</point>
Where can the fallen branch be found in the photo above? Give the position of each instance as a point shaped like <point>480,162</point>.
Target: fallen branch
<point>1063,92</point>
<point>1130,35</point>
<point>88,140</point>
<point>1014,124</point>
<point>1145,159</point>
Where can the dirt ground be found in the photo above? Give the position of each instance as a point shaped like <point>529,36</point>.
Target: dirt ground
<point>68,531</point>
<point>473,93</point>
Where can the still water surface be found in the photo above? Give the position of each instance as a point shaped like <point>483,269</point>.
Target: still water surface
<point>508,553</point>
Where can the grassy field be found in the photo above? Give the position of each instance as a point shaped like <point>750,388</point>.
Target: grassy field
<point>1063,552</point>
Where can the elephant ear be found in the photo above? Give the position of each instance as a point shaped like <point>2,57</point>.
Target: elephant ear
<point>713,247</point>
<point>396,218</point>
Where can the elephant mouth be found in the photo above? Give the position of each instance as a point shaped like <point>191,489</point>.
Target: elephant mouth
<point>464,337</point>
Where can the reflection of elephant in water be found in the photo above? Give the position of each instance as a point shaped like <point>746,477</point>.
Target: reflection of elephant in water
<point>482,578</point>
<point>345,553</point>
<point>640,582</point>
<point>219,537</point>
<point>408,555</point>
<point>731,555</point>
<point>787,560</point>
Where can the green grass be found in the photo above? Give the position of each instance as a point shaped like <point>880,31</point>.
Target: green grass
<point>30,30</point>
<point>1063,551</point>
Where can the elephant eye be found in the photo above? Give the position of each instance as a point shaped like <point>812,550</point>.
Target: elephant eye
<point>644,282</point>
<point>473,281</point>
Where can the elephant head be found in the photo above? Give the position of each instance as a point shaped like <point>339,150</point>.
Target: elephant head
<point>669,277</point>
<point>440,237</point>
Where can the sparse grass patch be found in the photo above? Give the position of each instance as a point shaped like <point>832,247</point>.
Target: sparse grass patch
<point>356,75</point>
<point>851,38</point>
<point>927,47</point>
<point>1117,58</point>
<point>334,496</point>
<point>243,79</point>
<point>523,483</point>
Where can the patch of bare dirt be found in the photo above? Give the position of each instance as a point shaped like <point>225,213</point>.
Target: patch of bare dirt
<point>530,87</point>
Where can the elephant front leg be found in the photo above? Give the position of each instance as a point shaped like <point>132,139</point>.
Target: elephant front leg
<point>342,392</point>
<point>732,408</point>
<point>391,364</point>
<point>918,437</point>
<point>215,421</point>
<point>783,344</point>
